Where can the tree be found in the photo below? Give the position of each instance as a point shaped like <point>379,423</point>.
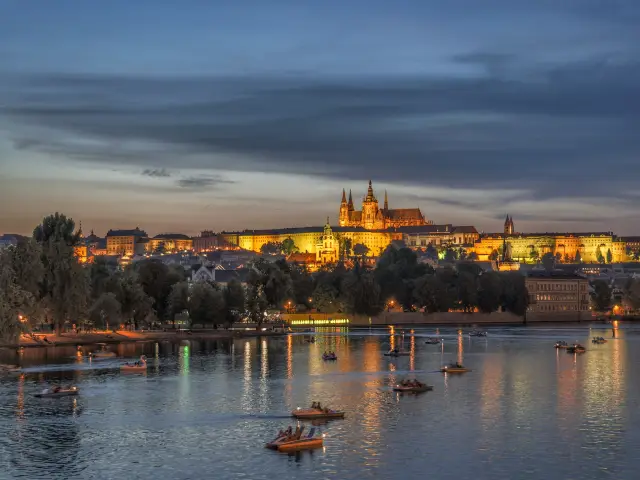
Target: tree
<point>256,300</point>
<point>14,301</point>
<point>567,258</point>
<point>64,289</point>
<point>206,305</point>
<point>431,252</point>
<point>157,279</point>
<point>432,293</point>
<point>325,298</point>
<point>578,257</point>
<point>302,283</point>
<point>515,297</point>
<point>271,248</point>
<point>473,257</point>
<point>396,272</point>
<point>548,261</point>
<point>57,228</point>
<point>489,292</point>
<point>493,256</point>
<point>601,297</point>
<point>136,305</point>
<point>105,311</point>
<point>450,255</point>
<point>99,277</point>
<point>178,299</point>
<point>289,246</point>
<point>631,297</point>
<point>558,258</point>
<point>234,299</point>
<point>362,292</point>
<point>609,256</point>
<point>534,255</point>
<point>360,250</point>
<point>599,256</point>
<point>467,291</point>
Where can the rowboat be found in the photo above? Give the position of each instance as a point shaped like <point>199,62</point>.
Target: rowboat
<point>454,369</point>
<point>433,341</point>
<point>598,340</point>
<point>561,344</point>
<point>296,442</point>
<point>577,348</point>
<point>314,413</point>
<point>327,358</point>
<point>405,389</point>
<point>51,393</point>
<point>397,353</point>
<point>477,333</point>
<point>137,367</point>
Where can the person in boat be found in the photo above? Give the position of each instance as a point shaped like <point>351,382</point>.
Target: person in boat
<point>56,389</point>
<point>318,406</point>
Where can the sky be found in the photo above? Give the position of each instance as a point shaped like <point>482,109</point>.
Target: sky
<point>181,116</point>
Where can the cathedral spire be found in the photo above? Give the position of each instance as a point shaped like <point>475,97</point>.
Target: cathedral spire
<point>350,200</point>
<point>370,197</point>
<point>386,201</point>
<point>344,196</point>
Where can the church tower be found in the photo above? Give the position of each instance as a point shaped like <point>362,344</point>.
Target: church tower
<point>508,226</point>
<point>343,219</point>
<point>369,209</point>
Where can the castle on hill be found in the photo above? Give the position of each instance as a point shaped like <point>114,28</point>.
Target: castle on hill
<point>371,217</point>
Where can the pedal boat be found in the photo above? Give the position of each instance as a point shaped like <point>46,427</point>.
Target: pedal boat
<point>406,389</point>
<point>69,392</point>
<point>454,369</point>
<point>314,413</point>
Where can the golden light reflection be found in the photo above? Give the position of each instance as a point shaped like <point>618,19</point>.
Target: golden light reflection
<point>264,374</point>
<point>289,356</point>
<point>460,350</point>
<point>20,403</point>
<point>246,388</point>
<point>412,353</point>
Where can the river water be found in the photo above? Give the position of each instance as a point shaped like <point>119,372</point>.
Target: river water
<point>205,409</point>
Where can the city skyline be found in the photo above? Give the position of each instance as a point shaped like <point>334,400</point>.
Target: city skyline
<point>198,115</point>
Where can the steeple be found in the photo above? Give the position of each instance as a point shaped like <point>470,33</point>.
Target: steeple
<point>370,197</point>
<point>386,202</point>
<point>344,196</point>
<point>350,201</point>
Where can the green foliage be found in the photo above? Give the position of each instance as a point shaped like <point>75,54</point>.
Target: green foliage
<point>271,248</point>
<point>14,300</point>
<point>489,292</point>
<point>289,246</point>
<point>157,279</point>
<point>206,306</point>
<point>325,298</point>
<point>578,257</point>
<point>515,297</point>
<point>548,261</point>
<point>434,294</point>
<point>450,255</point>
<point>178,299</point>
<point>360,250</point>
<point>256,300</point>
<point>431,252</point>
<point>609,256</point>
<point>631,297</point>
<point>599,256</point>
<point>57,228</point>
<point>105,312</point>
<point>361,292</point>
<point>534,255</point>
<point>493,256</point>
<point>396,271</point>
<point>601,297</point>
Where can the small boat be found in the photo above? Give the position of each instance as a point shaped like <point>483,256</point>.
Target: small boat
<point>397,353</point>
<point>412,389</point>
<point>598,340</point>
<point>433,341</point>
<point>140,366</point>
<point>577,348</point>
<point>477,333</point>
<point>313,413</point>
<point>329,356</point>
<point>307,442</point>
<point>561,344</point>
<point>57,392</point>
<point>454,368</point>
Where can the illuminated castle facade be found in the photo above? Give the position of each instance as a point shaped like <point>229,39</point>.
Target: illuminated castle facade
<point>371,217</point>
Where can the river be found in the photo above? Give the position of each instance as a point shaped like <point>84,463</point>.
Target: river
<point>205,409</point>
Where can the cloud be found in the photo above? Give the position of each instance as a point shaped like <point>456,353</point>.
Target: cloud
<point>202,182</point>
<point>550,129</point>
<point>156,172</point>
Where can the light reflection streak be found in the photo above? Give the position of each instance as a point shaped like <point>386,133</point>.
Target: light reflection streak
<point>412,353</point>
<point>20,404</point>
<point>246,387</point>
<point>460,350</point>
<point>264,374</point>
<point>289,356</point>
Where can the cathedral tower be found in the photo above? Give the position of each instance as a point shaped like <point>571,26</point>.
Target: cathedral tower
<point>508,226</point>
<point>369,209</point>
<point>343,219</point>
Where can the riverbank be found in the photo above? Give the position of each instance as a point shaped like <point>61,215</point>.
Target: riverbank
<point>123,336</point>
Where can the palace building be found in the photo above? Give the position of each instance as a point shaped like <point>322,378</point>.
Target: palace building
<point>588,247</point>
<point>371,217</point>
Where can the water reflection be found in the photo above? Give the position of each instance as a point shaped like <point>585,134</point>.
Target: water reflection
<point>524,400</point>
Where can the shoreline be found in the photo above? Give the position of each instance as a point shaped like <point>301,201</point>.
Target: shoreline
<point>114,338</point>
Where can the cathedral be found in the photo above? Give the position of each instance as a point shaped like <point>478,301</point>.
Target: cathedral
<point>373,218</point>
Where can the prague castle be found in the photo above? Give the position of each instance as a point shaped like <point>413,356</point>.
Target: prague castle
<point>371,217</point>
